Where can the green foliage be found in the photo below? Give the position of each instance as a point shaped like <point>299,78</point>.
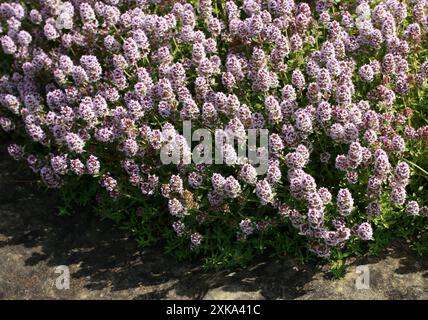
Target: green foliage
<point>148,219</point>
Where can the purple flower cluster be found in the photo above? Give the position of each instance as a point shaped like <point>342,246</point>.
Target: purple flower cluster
<point>102,86</point>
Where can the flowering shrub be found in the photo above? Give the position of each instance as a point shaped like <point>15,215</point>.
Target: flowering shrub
<point>92,92</point>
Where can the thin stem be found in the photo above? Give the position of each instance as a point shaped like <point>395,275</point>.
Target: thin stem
<point>416,166</point>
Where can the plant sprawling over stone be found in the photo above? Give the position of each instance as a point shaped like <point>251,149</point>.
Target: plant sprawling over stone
<point>93,90</point>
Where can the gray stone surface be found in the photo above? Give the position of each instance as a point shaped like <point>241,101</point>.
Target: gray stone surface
<point>105,262</point>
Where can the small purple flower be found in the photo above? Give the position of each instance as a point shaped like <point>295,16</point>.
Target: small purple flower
<point>355,155</point>
<point>179,228</point>
<point>79,75</point>
<point>366,73</point>
<point>345,202</point>
<point>218,182</point>
<point>131,50</point>
<point>246,226</point>
<point>215,198</point>
<point>6,124</point>
<point>248,174</point>
<point>176,208</point>
<point>402,171</point>
<point>373,209</point>
<point>288,93</point>
<point>59,164</point>
<point>341,162</point>
<point>324,111</point>
<point>264,192</point>
<point>92,67</point>
<point>50,178</point>
<point>130,146</point>
<point>74,142</point>
<point>303,121</point>
<point>51,33</point>
<point>24,38</point>
<point>274,173</point>
<point>364,231</point>
<point>295,160</point>
<point>412,208</point>
<point>298,79</point>
<point>370,136</point>
<point>398,144</point>
<point>93,165</point>
<point>77,167</point>
<point>15,151</point>
<point>108,182</point>
<point>325,195</point>
<point>231,187</point>
<point>35,16</point>
<point>315,217</point>
<point>8,45</point>
<point>321,250</point>
<point>323,80</point>
<point>382,165</point>
<point>196,239</point>
<point>398,196</point>
<point>337,132</point>
<point>176,184</point>
<point>195,180</point>
<point>424,211</point>
<point>273,109</point>
<point>352,177</point>
<point>275,144</point>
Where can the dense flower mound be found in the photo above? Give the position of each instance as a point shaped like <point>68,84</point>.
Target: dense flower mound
<point>95,90</point>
